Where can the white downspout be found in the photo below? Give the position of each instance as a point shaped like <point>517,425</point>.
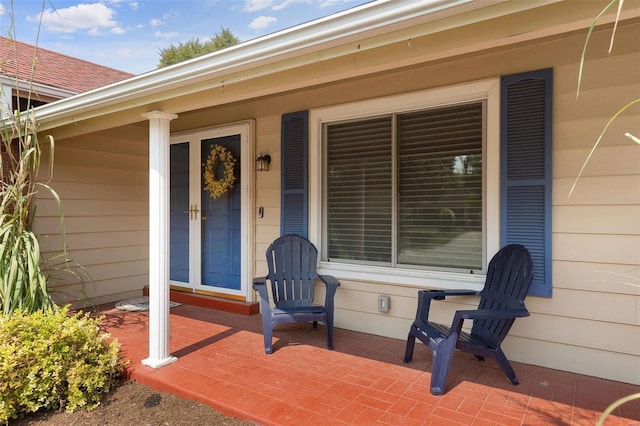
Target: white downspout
<point>159,137</point>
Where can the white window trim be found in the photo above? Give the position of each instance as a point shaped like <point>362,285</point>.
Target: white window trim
<point>488,90</point>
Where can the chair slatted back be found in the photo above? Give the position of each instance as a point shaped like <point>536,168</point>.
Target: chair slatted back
<point>292,271</point>
<point>508,280</point>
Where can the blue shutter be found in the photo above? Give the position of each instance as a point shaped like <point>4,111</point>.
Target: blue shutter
<point>294,149</point>
<point>525,132</point>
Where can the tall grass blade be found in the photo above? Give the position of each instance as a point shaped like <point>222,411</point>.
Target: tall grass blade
<point>595,145</point>
<point>615,24</point>
<point>586,43</point>
<point>24,275</point>
<point>615,405</point>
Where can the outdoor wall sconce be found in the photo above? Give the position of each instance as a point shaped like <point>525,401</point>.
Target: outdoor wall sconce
<point>263,162</point>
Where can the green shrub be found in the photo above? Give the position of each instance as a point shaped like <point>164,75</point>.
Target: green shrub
<point>53,360</point>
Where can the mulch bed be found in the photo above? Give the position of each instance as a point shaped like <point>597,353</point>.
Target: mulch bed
<point>136,404</point>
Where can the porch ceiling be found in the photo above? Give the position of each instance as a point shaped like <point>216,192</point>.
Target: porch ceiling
<point>371,39</point>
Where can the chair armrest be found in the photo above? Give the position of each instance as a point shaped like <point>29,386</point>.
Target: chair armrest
<point>260,285</point>
<point>442,294</point>
<point>329,280</point>
<point>332,285</point>
<point>425,297</point>
<point>493,313</point>
<point>260,282</point>
<point>460,316</point>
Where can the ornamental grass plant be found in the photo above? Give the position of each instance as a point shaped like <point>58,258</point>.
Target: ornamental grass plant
<point>23,285</point>
<point>26,275</point>
<point>49,359</point>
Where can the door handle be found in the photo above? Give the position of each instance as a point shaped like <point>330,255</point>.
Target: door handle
<point>193,211</point>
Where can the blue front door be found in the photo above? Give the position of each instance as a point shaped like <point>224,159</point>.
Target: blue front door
<point>220,232</point>
<point>205,232</point>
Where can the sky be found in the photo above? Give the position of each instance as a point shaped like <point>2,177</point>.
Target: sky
<point>128,34</point>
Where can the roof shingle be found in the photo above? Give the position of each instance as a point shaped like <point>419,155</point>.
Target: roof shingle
<point>54,69</point>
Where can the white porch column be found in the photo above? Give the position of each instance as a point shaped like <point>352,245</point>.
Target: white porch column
<point>159,138</point>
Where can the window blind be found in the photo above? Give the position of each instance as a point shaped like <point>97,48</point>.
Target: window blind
<point>440,187</point>
<point>438,218</point>
<point>359,190</point>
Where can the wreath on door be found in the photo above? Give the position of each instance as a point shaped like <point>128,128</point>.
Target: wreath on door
<point>218,187</point>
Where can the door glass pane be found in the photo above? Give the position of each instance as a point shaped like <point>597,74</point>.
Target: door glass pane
<point>220,222</point>
<point>178,218</point>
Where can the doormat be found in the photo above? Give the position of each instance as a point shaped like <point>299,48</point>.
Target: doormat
<point>139,304</point>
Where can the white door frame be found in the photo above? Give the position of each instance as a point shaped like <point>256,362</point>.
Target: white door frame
<point>247,176</point>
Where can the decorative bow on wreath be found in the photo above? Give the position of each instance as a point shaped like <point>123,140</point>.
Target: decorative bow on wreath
<point>218,187</point>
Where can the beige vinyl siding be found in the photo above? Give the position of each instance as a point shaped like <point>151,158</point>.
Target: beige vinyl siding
<point>594,314</point>
<point>597,277</point>
<point>593,321</point>
<point>267,228</point>
<point>102,181</point>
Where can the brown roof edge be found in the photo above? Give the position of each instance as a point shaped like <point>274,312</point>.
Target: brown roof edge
<point>54,69</point>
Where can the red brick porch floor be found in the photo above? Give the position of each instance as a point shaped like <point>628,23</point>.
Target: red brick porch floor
<point>221,362</point>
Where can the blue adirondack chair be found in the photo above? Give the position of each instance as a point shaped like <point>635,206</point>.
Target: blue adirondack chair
<point>501,301</point>
<point>292,275</point>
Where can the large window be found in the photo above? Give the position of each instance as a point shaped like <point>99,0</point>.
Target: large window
<point>405,189</point>
<point>422,188</point>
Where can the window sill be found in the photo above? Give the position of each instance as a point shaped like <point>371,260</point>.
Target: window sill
<point>405,277</point>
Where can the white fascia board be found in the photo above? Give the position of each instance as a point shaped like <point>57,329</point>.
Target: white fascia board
<point>275,51</point>
<point>37,88</point>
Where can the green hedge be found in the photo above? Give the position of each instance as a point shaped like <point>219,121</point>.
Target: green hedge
<point>54,360</point>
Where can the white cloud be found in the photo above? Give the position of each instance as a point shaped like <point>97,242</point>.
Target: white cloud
<point>167,17</point>
<point>91,17</point>
<point>287,3</point>
<point>160,34</point>
<point>172,14</point>
<point>2,9</point>
<point>256,5</point>
<point>117,30</point>
<point>330,3</point>
<point>262,22</point>
<point>133,5</point>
